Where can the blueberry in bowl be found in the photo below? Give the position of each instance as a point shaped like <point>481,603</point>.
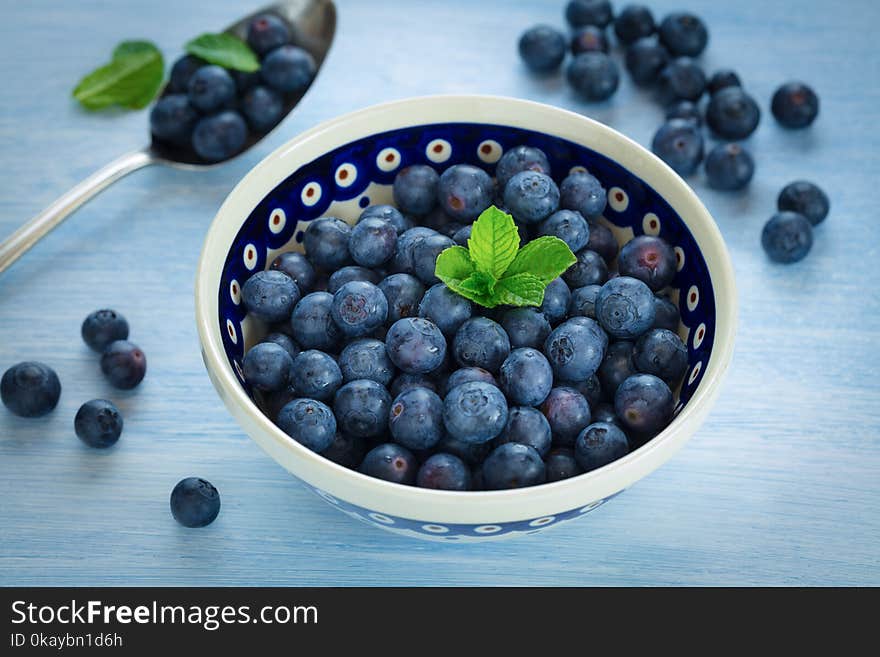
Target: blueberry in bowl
<point>409,439</point>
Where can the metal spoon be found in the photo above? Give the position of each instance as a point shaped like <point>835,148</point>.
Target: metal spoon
<point>312,23</point>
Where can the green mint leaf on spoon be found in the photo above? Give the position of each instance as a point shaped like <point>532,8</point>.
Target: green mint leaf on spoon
<point>131,79</point>
<point>224,50</point>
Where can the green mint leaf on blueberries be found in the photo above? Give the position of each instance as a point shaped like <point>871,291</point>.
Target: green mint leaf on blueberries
<point>224,50</point>
<point>494,271</point>
<point>131,79</point>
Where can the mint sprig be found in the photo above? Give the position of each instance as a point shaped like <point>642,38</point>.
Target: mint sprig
<point>131,79</point>
<point>494,271</point>
<point>224,50</point>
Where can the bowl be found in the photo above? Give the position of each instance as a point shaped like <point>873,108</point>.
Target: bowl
<point>348,163</point>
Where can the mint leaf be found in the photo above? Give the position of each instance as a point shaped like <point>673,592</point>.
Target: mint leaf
<point>474,288</point>
<point>224,50</point>
<point>131,79</point>
<point>546,258</point>
<point>493,242</point>
<point>520,290</point>
<point>453,265</point>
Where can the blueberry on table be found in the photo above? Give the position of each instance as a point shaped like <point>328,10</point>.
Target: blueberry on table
<point>729,167</point>
<point>732,113</point>
<point>464,191</point>
<point>366,359</point>
<point>288,69</point>
<point>568,412</point>
<point>267,32</point>
<point>542,48</point>
<point>681,79</point>
<point>787,237</point>
<point>326,243</point>
<point>298,267</point>
<point>481,342</point>
<point>315,375</point>
<point>569,226</point>
<point>373,242</point>
<point>805,198</point>
<point>525,327</point>
<point>387,213</point>
<point>795,105</point>
<point>722,79</point>
<point>262,107</point>
<point>589,39</point>
<point>589,269</point>
<point>267,366</point>
<point>603,242</point>
<point>102,327</point>
<point>173,119</point>
<point>425,254</point>
<point>662,353</point>
<point>594,75</point>
<point>643,402</point>
<point>406,244</point>
<point>599,444</point>
<point>683,34</point>
<point>416,418</point>
<point>589,12</point>
<point>645,59</point>
<point>666,314</point>
<point>195,502</point>
<point>359,308</point>
<point>415,189</point>
<point>404,293</point>
<point>685,109</point>
<point>583,193</point>
<point>392,463</point>
<point>575,348</point>
<point>617,366</point>
<point>625,307</point>
<point>351,273</point>
<point>583,301</point>
<point>182,71</point>
<point>98,423</point>
<point>311,322</point>
<point>270,295</point>
<point>211,88</point>
<point>474,412</point>
<point>284,341</point>
<point>466,374</point>
<point>445,308</point>
<point>557,296</point>
<point>415,345</point>
<point>30,389</point>
<point>309,422</point>
<point>444,472</point>
<point>560,464</point>
<point>528,426</point>
<point>513,465</point>
<point>345,450</point>
<point>520,158</point>
<point>649,259</point>
<point>679,143</point>
<point>526,377</point>
<point>633,23</point>
<point>405,381</point>
<point>361,407</point>
<point>219,136</point>
<point>124,364</point>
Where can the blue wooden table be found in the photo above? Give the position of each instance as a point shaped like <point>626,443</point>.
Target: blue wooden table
<point>780,486</point>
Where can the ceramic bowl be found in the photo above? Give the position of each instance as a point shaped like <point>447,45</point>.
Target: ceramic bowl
<point>346,164</point>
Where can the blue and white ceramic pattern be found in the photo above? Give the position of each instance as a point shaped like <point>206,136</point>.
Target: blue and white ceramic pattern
<point>340,168</point>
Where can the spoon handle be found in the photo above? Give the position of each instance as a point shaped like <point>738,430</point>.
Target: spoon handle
<point>34,230</point>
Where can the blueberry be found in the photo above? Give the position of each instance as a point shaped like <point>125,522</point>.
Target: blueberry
<point>582,193</point>
<point>469,452</point>
<point>588,269</point>
<point>219,136</point>
<point>406,381</point>
<point>245,81</point>
<point>347,451</point>
<point>568,412</point>
<point>643,403</point>
<point>589,39</point>
<point>267,32</point>
<point>805,198</point>
<point>285,342</point>
<point>679,143</point>
<point>387,213</point>
<point>525,327</point>
<point>309,422</point>
<point>288,69</point>
<point>30,389</point>
<point>795,105</point>
<point>518,159</point>
<point>542,48</point>
<point>373,242</point>
<point>415,345</point>
<point>445,308</point>
<point>662,353</point>
<point>102,327</point>
<point>599,444</point>
<point>466,374</point>
<point>575,348</point>
<point>604,412</point>
<point>298,267</point>
<point>474,412</point>
<point>327,243</point>
<point>481,342</point>
<point>594,75</point>
<point>444,472</point>
<point>98,423</point>
<point>681,79</point>
<point>526,377</point>
<point>590,388</point>
<point>569,226</point>
<point>513,465</point>
<point>732,113</point>
<point>270,295</point>
<point>181,73</point>
<point>210,88</point>
<point>351,273</point>
<point>633,23</point>
<point>425,254</point>
<point>416,418</point>
<point>684,109</point>
<point>464,191</point>
<point>645,59</point>
<point>617,366</point>
<point>404,293</point>
<point>625,307</point>
<point>603,242</point>
<point>415,189</point>
<point>392,463</point>
<point>531,196</point>
<point>124,364</point>
<point>583,301</point>
<point>359,308</point>
<point>195,502</point>
<point>262,107</point>
<point>560,464</point>
<point>557,296</point>
<point>649,259</point>
<point>266,366</point>
<point>172,119</point>
<point>666,314</point>
<point>589,12</point>
<point>729,167</point>
<point>722,79</point>
<point>316,375</point>
<point>366,359</point>
<point>312,324</point>
<point>787,237</point>
<point>683,34</point>
<point>406,244</point>
<point>462,235</point>
<point>527,426</point>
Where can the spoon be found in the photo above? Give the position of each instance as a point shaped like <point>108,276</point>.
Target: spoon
<point>312,24</point>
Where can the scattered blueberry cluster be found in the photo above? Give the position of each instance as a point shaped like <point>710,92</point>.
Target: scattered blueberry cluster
<point>662,55</point>
<point>374,363</point>
<point>210,108</point>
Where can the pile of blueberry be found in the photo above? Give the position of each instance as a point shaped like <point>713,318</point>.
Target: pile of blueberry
<point>374,363</point>
<point>210,109</point>
<point>663,56</point>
